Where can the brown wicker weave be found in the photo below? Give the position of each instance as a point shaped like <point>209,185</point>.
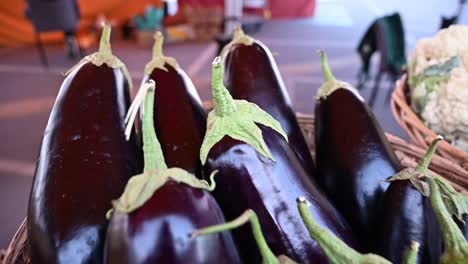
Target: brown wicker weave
<point>408,154</point>
<point>418,132</point>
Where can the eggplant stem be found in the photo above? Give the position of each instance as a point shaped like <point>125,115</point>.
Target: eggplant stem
<point>453,237</point>
<point>336,250</point>
<point>325,66</point>
<point>223,102</point>
<point>412,255</point>
<point>426,161</point>
<point>104,43</point>
<point>152,152</point>
<point>248,216</point>
<point>158,45</point>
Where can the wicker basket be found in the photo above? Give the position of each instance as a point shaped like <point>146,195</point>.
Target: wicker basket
<point>418,132</point>
<point>408,154</point>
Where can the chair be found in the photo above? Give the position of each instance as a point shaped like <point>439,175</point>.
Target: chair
<point>52,15</point>
<point>385,35</point>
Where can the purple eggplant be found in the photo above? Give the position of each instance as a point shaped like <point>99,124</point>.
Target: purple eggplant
<point>153,219</point>
<point>407,216</point>
<point>179,116</point>
<point>84,162</point>
<point>353,155</point>
<point>251,74</point>
<point>259,170</point>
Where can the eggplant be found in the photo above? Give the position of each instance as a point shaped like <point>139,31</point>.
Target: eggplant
<point>353,155</point>
<point>336,250</point>
<point>259,170</point>
<point>407,216</point>
<point>179,116</point>
<point>84,161</point>
<point>446,201</point>
<point>251,74</point>
<point>153,219</point>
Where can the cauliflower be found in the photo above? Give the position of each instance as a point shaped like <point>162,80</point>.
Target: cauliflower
<point>447,43</point>
<point>438,77</point>
<point>446,111</point>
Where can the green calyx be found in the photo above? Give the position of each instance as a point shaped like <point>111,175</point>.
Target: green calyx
<point>140,188</point>
<point>417,175</point>
<point>104,56</point>
<point>454,202</point>
<point>159,60</point>
<point>336,250</point>
<point>248,216</point>
<point>239,38</point>
<point>412,254</point>
<point>331,84</point>
<point>455,244</point>
<point>235,118</point>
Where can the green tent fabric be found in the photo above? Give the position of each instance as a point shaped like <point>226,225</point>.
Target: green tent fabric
<point>385,35</point>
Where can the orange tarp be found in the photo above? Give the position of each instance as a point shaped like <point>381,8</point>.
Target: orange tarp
<point>16,29</point>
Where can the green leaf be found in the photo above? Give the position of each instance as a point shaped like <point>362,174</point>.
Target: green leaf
<point>455,244</point>
<point>405,174</point>
<point>140,188</point>
<point>429,80</point>
<point>241,125</point>
<point>416,178</point>
<point>238,119</point>
<point>455,202</point>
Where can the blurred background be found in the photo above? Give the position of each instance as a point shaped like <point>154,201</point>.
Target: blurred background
<point>42,39</point>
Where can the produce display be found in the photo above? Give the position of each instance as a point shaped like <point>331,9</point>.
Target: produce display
<point>149,223</point>
<point>178,184</point>
<point>438,79</point>
<point>259,170</point>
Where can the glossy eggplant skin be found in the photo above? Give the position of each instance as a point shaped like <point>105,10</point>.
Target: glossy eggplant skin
<point>159,232</point>
<point>407,216</point>
<point>246,179</point>
<point>354,159</point>
<point>250,73</point>
<point>84,163</point>
<point>179,119</point>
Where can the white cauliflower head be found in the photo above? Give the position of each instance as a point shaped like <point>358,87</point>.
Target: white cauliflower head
<point>438,76</point>
<point>446,111</point>
<point>447,43</point>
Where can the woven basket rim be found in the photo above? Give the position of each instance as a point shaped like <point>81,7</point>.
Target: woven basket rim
<point>417,131</point>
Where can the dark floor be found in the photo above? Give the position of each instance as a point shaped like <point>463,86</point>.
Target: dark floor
<point>28,91</point>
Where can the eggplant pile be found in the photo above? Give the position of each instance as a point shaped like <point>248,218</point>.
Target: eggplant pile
<point>178,184</point>
<point>151,220</point>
